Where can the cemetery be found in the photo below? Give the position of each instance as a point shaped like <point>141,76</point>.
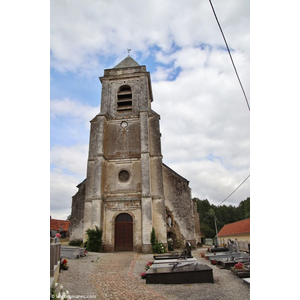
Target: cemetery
<point>170,275</point>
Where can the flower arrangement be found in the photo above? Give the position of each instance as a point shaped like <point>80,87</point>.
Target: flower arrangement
<point>157,247</point>
<point>64,264</point>
<point>143,275</point>
<point>170,244</point>
<point>60,295</point>
<point>213,262</point>
<point>239,266</point>
<point>148,265</point>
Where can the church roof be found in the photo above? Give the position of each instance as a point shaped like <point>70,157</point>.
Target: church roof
<point>127,62</point>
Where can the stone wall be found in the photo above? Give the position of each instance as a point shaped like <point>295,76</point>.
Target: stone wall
<point>180,206</point>
<point>76,225</point>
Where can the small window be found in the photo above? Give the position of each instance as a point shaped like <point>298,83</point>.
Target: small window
<point>124,176</point>
<point>124,102</point>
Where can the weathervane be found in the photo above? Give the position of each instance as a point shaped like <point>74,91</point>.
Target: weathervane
<point>128,51</point>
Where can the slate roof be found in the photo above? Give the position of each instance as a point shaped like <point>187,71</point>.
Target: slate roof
<point>236,228</point>
<point>127,62</point>
<point>58,224</point>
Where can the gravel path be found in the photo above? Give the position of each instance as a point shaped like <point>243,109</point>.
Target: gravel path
<point>117,276</point>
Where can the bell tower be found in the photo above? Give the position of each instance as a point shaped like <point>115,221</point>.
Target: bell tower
<point>125,170</point>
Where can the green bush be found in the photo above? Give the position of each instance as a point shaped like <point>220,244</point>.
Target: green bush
<point>152,238</point>
<point>94,240</point>
<point>157,247</point>
<point>76,242</point>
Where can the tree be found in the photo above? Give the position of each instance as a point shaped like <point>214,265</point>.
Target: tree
<point>224,214</point>
<point>243,210</point>
<point>207,231</point>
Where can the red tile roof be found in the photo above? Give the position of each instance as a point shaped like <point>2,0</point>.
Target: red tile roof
<point>59,225</point>
<point>239,227</point>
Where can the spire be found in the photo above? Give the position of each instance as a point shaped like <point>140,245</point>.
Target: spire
<point>127,63</point>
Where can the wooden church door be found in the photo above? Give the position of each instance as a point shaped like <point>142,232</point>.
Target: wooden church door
<point>123,233</point>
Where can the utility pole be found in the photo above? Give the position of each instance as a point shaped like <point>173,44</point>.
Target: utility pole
<point>217,242</point>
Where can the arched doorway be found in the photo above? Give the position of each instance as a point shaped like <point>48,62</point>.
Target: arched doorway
<point>123,233</point>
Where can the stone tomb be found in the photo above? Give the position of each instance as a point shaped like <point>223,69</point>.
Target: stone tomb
<point>189,273</point>
<point>171,262</point>
<point>222,255</point>
<point>170,256</point>
<point>185,254</point>
<point>70,252</point>
<point>228,264</point>
<point>165,261</point>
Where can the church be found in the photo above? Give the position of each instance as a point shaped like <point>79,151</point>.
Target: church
<point>128,189</point>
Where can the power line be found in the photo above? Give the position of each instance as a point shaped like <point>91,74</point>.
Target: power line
<point>230,55</point>
<point>234,190</point>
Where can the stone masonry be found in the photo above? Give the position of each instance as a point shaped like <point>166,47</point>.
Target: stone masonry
<point>128,190</point>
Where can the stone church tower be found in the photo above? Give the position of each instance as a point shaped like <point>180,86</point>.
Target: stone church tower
<point>128,190</point>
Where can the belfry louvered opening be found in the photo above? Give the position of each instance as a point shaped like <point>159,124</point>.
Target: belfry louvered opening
<point>124,103</point>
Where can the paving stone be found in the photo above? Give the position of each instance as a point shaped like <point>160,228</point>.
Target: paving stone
<point>116,276</point>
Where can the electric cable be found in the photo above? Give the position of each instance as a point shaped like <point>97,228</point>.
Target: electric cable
<point>229,54</point>
<point>234,190</point>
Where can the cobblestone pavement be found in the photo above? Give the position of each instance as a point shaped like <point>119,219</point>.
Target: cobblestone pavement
<point>116,276</point>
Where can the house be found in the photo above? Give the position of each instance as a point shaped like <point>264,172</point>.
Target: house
<point>239,230</point>
<point>59,226</point>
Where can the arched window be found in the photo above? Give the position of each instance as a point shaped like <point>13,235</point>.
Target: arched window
<point>124,102</point>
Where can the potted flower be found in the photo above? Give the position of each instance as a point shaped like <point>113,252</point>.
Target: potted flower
<point>148,265</point>
<point>143,275</point>
<point>64,264</point>
<point>239,266</point>
<point>213,262</point>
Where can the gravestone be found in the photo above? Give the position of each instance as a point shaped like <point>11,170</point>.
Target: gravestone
<point>190,273</point>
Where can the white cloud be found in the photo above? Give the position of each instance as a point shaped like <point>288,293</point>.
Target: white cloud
<point>67,107</point>
<point>72,158</point>
<point>83,30</point>
<point>205,123</point>
<point>63,187</point>
<point>68,170</point>
<point>204,117</point>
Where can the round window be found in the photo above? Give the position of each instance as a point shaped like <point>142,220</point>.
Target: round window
<point>124,176</point>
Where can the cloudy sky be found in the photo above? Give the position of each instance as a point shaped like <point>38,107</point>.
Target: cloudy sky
<point>205,121</point>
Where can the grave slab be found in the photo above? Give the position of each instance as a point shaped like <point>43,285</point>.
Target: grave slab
<point>171,264</point>
<point>225,255</point>
<point>180,275</point>
<point>164,261</point>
